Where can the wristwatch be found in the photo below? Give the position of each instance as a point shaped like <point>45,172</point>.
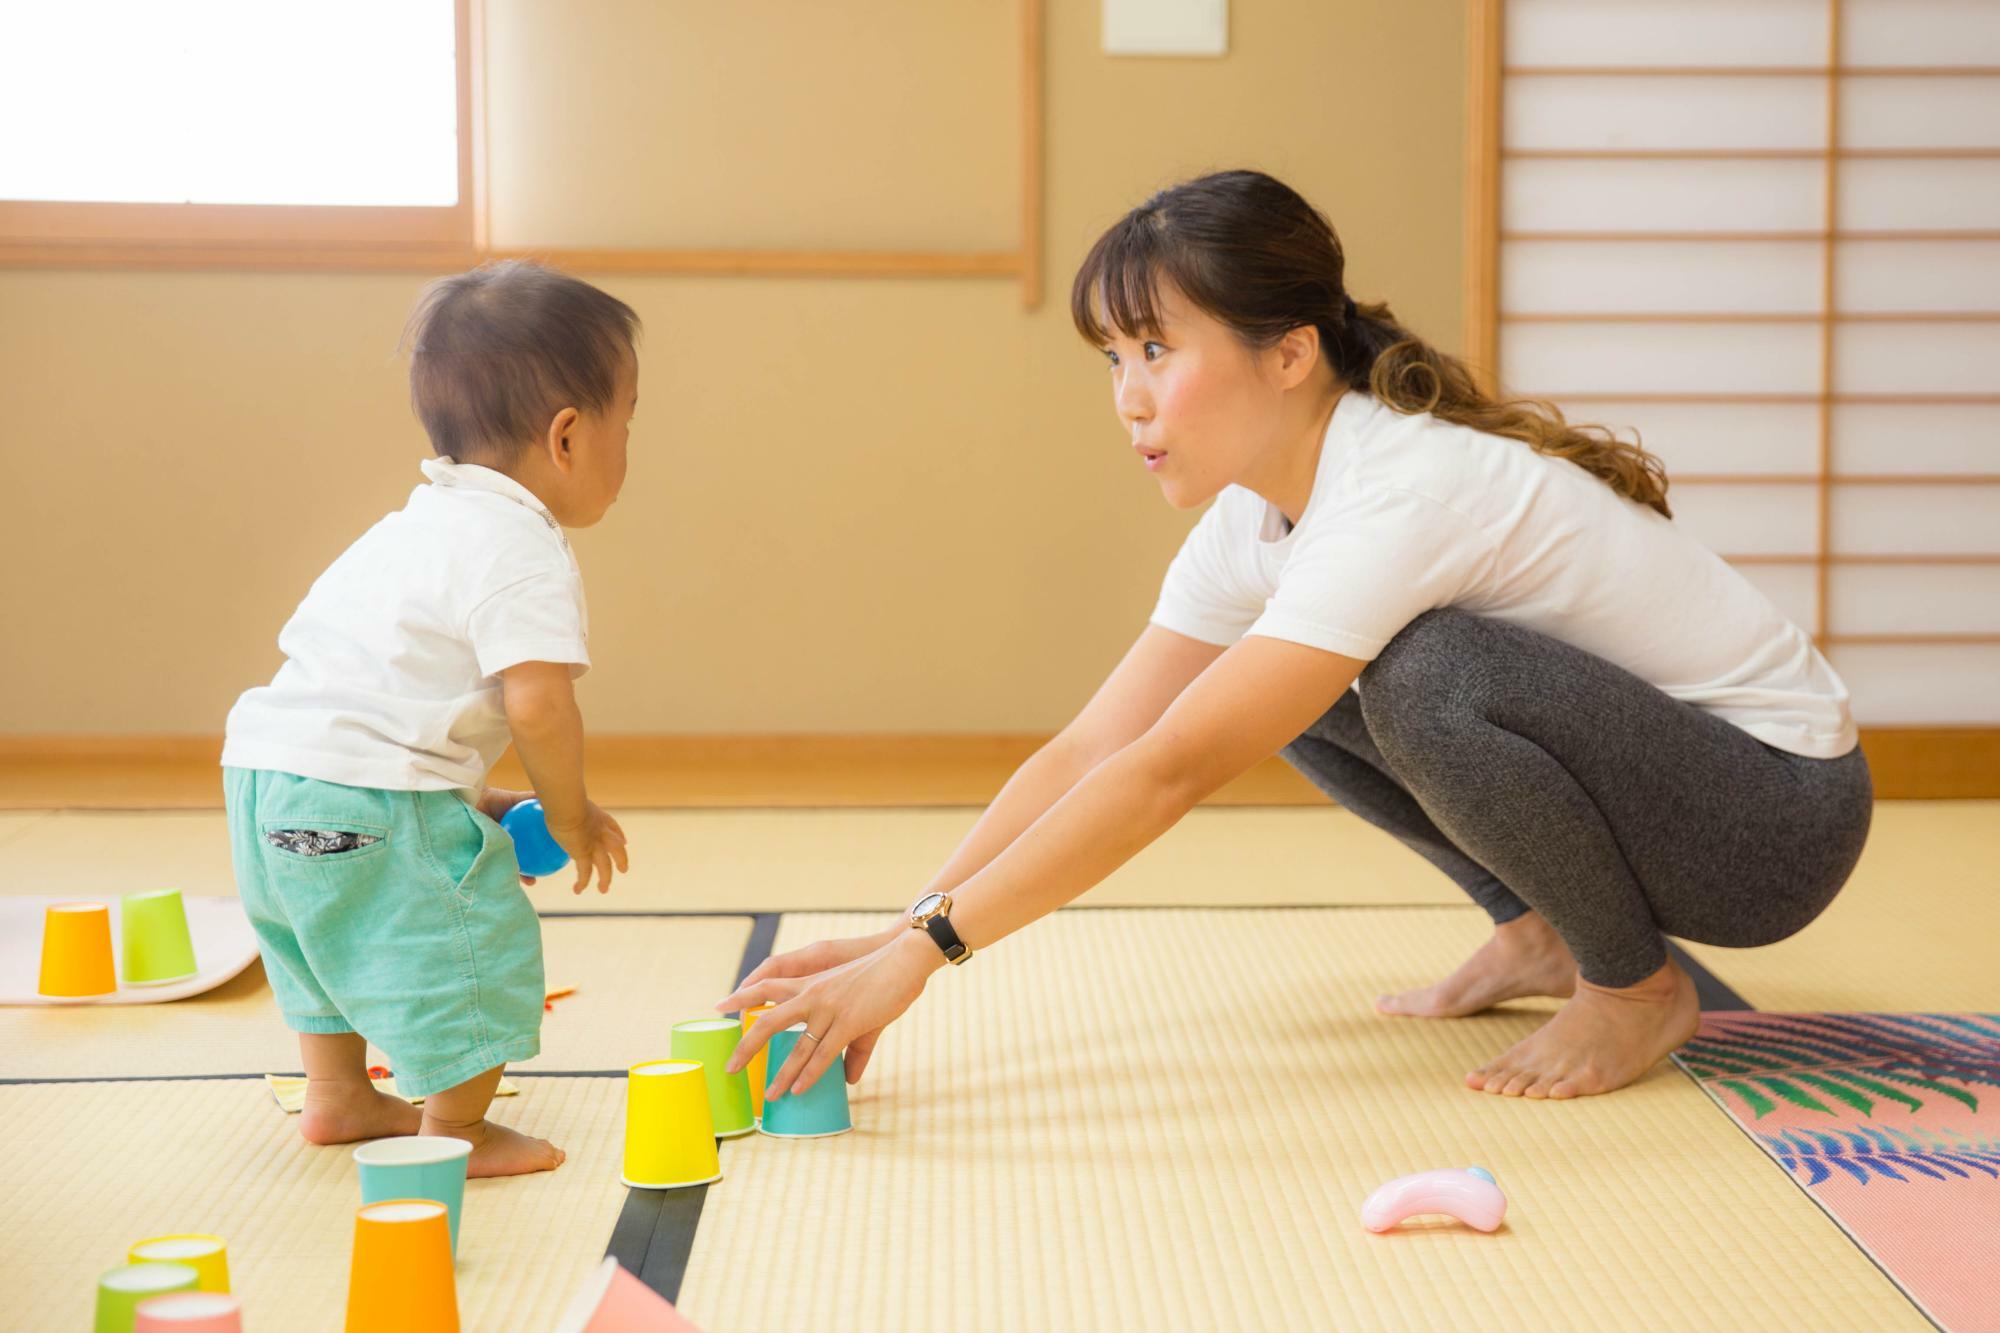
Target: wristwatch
<point>932,915</point>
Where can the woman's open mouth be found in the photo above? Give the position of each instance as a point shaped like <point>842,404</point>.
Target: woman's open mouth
<point>1153,457</point>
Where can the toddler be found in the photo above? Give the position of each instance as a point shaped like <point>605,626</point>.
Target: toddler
<point>387,902</point>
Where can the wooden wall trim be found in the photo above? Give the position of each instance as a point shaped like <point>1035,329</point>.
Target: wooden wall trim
<point>179,772</point>
<point>1484,59</point>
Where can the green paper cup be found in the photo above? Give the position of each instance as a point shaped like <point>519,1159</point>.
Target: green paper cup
<point>416,1166</point>
<point>120,1291</point>
<point>712,1041</point>
<point>157,945</point>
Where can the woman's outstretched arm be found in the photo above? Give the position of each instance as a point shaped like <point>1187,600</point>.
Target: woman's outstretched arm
<point>1251,702</point>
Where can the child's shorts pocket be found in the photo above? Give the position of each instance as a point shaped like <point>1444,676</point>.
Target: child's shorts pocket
<point>323,841</point>
<point>463,843</point>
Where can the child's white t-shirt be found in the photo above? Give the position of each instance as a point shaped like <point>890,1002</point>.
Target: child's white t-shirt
<point>1410,513</point>
<point>392,661</point>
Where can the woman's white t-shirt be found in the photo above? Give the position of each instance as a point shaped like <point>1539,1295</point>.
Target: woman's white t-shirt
<point>1410,513</point>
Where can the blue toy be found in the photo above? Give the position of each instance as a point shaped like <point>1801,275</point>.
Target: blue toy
<point>538,853</point>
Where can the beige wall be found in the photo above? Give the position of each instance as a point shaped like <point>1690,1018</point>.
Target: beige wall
<point>855,505</point>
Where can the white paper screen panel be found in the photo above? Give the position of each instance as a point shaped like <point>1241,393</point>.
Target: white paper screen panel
<point>1835,424</point>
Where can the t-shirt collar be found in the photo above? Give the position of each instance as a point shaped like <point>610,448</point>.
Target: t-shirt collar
<point>473,477</point>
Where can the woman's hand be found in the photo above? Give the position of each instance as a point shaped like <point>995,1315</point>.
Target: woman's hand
<point>846,1008</point>
<point>807,962</point>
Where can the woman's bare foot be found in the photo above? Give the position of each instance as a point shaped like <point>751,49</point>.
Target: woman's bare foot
<point>1600,1041</point>
<point>498,1150</point>
<point>346,1111</point>
<point>1524,957</point>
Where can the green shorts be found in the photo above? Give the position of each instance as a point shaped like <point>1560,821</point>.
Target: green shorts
<point>395,914</point>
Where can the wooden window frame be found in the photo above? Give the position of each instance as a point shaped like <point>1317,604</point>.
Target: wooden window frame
<point>37,234</point>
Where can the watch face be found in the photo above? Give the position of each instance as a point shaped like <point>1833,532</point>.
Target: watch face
<point>927,904</point>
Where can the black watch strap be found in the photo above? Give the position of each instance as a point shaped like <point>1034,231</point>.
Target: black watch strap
<point>946,937</point>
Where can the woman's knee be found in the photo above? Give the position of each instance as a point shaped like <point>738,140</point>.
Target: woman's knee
<point>1426,674</point>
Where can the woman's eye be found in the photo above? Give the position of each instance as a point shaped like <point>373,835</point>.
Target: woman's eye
<point>1154,351</point>
<point>1111,356</point>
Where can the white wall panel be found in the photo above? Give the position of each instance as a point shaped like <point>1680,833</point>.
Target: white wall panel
<point>1920,32</point>
<point>1917,599</point>
<point>1904,685</point>
<point>1919,195</point>
<point>1660,276</point>
<point>1666,32</point>
<point>1573,111</point>
<point>1917,275</point>
<point>1542,195</point>
<point>1660,358</point>
<point>1749,520</point>
<point>1917,358</point>
<point>1928,112</point>
<point>1945,519</point>
<point>1927,437</point>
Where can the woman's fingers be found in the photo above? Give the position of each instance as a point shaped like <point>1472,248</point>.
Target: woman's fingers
<point>859,1052</point>
<point>768,1026</point>
<point>823,1054</point>
<point>804,1051</point>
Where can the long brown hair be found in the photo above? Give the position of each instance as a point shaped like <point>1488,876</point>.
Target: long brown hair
<point>1246,248</point>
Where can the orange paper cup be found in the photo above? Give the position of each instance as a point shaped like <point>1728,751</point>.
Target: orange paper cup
<point>190,1312</point>
<point>400,1278</point>
<point>614,1301</point>
<point>76,950</point>
<point>759,1068</point>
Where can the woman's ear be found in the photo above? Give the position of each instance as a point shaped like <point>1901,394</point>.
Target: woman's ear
<point>1298,354</point>
<point>557,442</point>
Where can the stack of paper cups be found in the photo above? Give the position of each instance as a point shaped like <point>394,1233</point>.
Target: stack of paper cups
<point>190,1312</point>
<point>206,1255</point>
<point>400,1278</point>
<point>712,1041</point>
<point>669,1139</point>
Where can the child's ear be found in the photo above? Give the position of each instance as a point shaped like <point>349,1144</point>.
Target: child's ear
<point>557,443</point>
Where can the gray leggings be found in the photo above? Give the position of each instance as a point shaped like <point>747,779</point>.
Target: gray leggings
<point>1542,778</point>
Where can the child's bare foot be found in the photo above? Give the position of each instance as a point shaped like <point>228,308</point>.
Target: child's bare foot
<point>1600,1041</point>
<point>1524,957</point>
<point>346,1111</point>
<point>500,1151</point>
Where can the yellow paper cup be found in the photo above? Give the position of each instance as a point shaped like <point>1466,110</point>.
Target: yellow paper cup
<point>712,1041</point>
<point>190,1312</point>
<point>158,947</point>
<point>206,1255</point>
<point>400,1278</point>
<point>121,1291</point>
<point>669,1138</point>
<point>759,1068</point>
<point>76,950</point>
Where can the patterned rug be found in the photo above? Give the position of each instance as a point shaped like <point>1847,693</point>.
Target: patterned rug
<point>1891,1123</point>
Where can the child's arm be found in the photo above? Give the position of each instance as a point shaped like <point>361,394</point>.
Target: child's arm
<point>548,735</point>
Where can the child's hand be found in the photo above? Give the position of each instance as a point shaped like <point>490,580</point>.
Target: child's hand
<point>495,802</point>
<point>595,844</point>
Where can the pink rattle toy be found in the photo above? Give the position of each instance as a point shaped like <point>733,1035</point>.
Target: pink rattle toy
<point>1469,1195</point>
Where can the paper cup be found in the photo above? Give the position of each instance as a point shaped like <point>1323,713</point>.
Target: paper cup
<point>400,1278</point>
<point>206,1255</point>
<point>669,1139</point>
<point>190,1312</point>
<point>757,1072</point>
<point>76,950</point>
<point>712,1041</point>
<point>158,947</point>
<point>818,1114</point>
<point>416,1166</point>
<point>121,1291</point>
<point>613,1301</point>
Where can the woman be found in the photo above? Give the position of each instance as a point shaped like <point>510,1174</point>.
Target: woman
<point>1594,725</point>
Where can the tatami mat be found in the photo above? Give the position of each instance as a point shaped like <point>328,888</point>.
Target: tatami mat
<point>94,1167</point>
<point>1913,930</point>
<point>1170,1120</point>
<point>634,978</point>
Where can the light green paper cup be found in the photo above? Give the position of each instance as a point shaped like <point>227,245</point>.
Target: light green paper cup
<point>416,1166</point>
<point>712,1041</point>
<point>120,1291</point>
<point>158,947</point>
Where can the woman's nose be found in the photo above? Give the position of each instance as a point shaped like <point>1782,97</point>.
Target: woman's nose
<point>1134,401</point>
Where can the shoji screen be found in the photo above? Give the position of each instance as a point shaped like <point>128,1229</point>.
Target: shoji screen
<point>1766,235</point>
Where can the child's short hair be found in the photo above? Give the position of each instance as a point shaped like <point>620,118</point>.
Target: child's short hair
<point>497,352</point>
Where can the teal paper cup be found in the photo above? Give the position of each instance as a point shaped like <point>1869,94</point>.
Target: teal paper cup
<point>821,1112</point>
<point>158,947</point>
<point>416,1166</point>
<point>121,1291</point>
<point>712,1041</point>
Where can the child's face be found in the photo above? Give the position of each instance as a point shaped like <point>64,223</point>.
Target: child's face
<point>596,442</point>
